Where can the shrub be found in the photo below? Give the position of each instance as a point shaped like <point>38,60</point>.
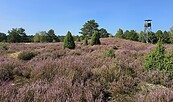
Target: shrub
<point>44,71</point>
<point>95,39</point>
<point>159,60</point>
<point>157,95</point>
<point>26,55</point>
<point>6,71</point>
<point>68,41</point>
<point>85,41</point>
<point>155,59</point>
<point>122,90</point>
<point>3,46</point>
<point>109,53</point>
<point>107,74</point>
<point>169,63</point>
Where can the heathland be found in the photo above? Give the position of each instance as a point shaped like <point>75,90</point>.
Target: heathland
<point>113,71</point>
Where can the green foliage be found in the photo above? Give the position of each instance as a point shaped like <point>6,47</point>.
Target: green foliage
<point>155,59</point>
<point>44,37</point>
<point>37,37</point>
<point>109,53</point>
<point>152,38</point>
<point>166,37</point>
<point>168,63</point>
<point>103,33</point>
<point>141,37</point>
<point>3,37</point>
<point>95,39</point>
<point>17,35</point>
<point>68,41</point>
<point>61,38</point>
<point>89,28</point>
<point>26,55</point>
<point>3,46</point>
<point>159,60</point>
<point>85,41</point>
<point>52,37</point>
<point>77,38</point>
<point>119,33</point>
<point>131,35</point>
<point>159,35</point>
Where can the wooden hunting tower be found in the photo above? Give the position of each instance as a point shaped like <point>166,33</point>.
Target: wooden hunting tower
<point>147,29</point>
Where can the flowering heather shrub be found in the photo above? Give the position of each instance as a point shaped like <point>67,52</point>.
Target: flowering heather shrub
<point>50,56</point>
<point>157,95</point>
<point>26,55</point>
<point>122,90</point>
<point>156,77</point>
<point>107,74</point>
<point>109,53</point>
<point>6,70</point>
<point>82,74</point>
<point>44,71</point>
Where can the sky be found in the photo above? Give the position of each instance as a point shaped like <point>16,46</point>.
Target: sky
<point>71,15</point>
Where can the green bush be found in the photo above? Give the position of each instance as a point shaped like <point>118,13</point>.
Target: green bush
<point>109,53</point>
<point>155,59</point>
<point>95,39</point>
<point>85,41</point>
<point>26,55</point>
<point>68,41</point>
<point>159,60</point>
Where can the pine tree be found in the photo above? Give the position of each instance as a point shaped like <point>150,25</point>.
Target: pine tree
<point>95,40</point>
<point>69,41</point>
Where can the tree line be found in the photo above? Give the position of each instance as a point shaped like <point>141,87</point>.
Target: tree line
<point>153,37</point>
<point>16,35</point>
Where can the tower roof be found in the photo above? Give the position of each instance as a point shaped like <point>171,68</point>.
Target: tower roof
<point>148,20</point>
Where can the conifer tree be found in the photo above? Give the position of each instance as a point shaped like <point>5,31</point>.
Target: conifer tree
<point>85,41</point>
<point>95,40</point>
<point>69,41</point>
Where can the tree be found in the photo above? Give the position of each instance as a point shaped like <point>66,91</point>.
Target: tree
<point>89,28</point>
<point>103,33</point>
<point>37,37</point>
<point>142,37</point>
<point>52,37</point>
<point>69,41</point>
<point>44,37</point>
<point>23,36</point>
<point>171,34</point>
<point>152,38</point>
<point>95,39</point>
<point>131,35</point>
<point>85,41</point>
<point>119,33</point>
<point>17,35</point>
<point>155,59</point>
<point>3,37</point>
<point>160,60</point>
<point>166,37</point>
<point>159,35</point>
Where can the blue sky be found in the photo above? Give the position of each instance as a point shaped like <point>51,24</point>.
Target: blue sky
<point>70,15</point>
